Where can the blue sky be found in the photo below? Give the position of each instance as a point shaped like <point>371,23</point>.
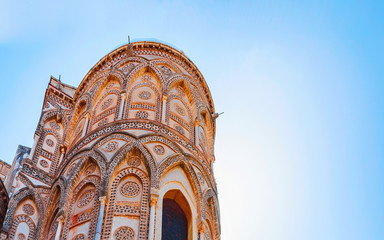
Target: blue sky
<point>299,149</point>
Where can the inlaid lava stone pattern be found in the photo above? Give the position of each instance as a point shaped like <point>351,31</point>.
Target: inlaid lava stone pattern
<point>44,163</point>
<point>179,129</point>
<point>159,149</point>
<point>146,77</point>
<point>49,142</point>
<point>21,236</point>
<point>85,198</point>
<point>111,146</point>
<point>28,209</point>
<point>179,109</point>
<point>130,189</point>
<point>54,126</point>
<point>133,161</point>
<point>145,95</point>
<point>124,233</point>
<point>79,237</point>
<point>106,103</point>
<point>142,114</point>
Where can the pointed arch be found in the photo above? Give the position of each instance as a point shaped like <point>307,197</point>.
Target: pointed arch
<point>144,208</point>
<point>182,162</point>
<point>19,219</point>
<point>20,196</point>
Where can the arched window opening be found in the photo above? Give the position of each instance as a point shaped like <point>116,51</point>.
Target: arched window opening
<point>176,220</point>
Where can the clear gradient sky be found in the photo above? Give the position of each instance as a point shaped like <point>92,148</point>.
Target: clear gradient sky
<point>299,149</point>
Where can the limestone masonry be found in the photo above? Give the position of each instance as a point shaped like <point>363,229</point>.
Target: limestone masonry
<point>128,154</point>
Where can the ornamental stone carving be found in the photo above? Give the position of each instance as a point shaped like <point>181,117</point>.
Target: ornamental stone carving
<point>130,189</point>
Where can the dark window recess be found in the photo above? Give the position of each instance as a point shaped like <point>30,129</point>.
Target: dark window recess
<point>175,224</point>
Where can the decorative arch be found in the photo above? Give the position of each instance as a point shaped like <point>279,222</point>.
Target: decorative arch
<point>20,196</point>
<point>55,156</point>
<point>211,195</point>
<point>144,208</point>
<point>149,163</point>
<point>112,109</point>
<point>182,162</point>
<point>90,180</point>
<point>90,156</point>
<point>177,119</point>
<point>19,219</point>
<point>156,108</point>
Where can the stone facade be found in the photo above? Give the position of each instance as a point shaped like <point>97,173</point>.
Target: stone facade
<point>138,130</point>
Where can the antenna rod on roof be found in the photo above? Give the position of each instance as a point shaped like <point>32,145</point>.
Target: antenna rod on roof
<point>129,40</point>
<point>59,82</point>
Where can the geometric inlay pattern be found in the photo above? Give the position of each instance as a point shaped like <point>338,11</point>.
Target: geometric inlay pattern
<point>133,161</point>
<point>106,103</point>
<point>124,233</point>
<point>141,114</point>
<point>28,209</point>
<point>179,129</point>
<point>86,198</point>
<point>130,189</point>
<point>111,146</point>
<point>44,163</point>
<point>49,142</point>
<point>79,237</point>
<point>179,109</point>
<point>21,236</point>
<point>159,149</point>
<point>145,95</point>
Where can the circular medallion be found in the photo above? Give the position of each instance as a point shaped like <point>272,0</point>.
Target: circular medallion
<point>130,189</point>
<point>179,129</point>
<point>124,233</point>
<point>79,237</point>
<point>21,236</point>
<point>49,142</point>
<point>133,161</point>
<point>179,110</point>
<point>28,209</point>
<point>142,114</point>
<point>44,163</point>
<point>106,103</point>
<point>145,95</point>
<point>159,149</point>
<point>85,198</point>
<point>111,146</point>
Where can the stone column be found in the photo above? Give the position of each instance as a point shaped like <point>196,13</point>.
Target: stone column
<point>122,104</point>
<point>85,126</point>
<point>60,221</point>
<point>152,216</point>
<point>164,109</point>
<point>62,151</point>
<point>99,224</point>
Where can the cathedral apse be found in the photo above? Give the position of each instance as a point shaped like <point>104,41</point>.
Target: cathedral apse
<point>127,154</point>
